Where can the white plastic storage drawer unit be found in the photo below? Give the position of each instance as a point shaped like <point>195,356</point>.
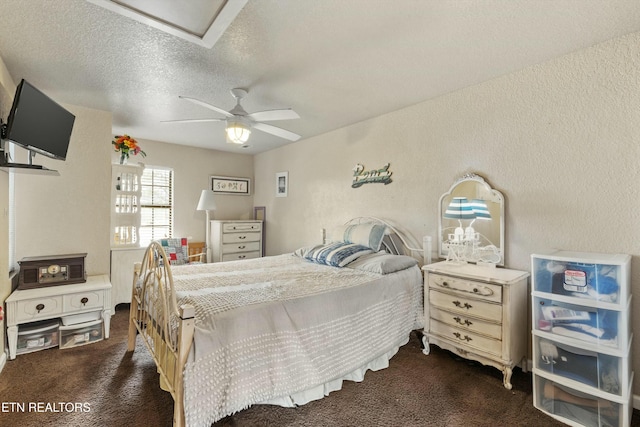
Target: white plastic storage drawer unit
<point>37,336</point>
<point>582,372</point>
<point>81,334</point>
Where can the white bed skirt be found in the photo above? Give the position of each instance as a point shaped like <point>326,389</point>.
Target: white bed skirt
<point>322,390</point>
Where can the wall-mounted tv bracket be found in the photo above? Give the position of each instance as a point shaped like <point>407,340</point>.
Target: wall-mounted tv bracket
<point>4,156</point>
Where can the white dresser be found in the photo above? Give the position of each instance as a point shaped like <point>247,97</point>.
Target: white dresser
<point>235,240</point>
<point>479,313</point>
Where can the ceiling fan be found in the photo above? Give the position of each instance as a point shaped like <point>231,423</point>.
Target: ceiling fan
<point>240,123</point>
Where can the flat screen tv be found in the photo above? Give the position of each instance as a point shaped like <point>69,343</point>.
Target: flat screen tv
<point>38,123</point>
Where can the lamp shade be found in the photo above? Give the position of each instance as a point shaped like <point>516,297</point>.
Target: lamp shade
<point>459,208</point>
<point>480,209</point>
<point>207,201</point>
<point>238,132</point>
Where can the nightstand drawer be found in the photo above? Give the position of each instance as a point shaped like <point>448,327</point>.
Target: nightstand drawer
<point>241,226</point>
<point>466,306</point>
<point>240,256</point>
<point>240,247</point>
<point>84,300</point>
<point>481,290</point>
<point>467,323</point>
<point>241,237</point>
<point>40,308</point>
<point>467,338</point>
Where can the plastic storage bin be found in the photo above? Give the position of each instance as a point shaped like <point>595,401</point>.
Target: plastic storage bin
<point>581,319</point>
<point>577,408</point>
<point>37,336</point>
<point>606,372</point>
<point>595,278</point>
<point>582,324</point>
<point>81,334</point>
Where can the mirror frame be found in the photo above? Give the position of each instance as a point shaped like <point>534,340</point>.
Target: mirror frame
<point>496,197</point>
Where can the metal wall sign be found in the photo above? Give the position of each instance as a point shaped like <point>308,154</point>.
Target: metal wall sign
<point>361,176</point>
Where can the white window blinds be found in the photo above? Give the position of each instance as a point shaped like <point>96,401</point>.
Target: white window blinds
<point>156,204</point>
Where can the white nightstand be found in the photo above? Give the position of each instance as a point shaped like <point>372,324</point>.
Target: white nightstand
<point>31,305</point>
<point>479,313</point>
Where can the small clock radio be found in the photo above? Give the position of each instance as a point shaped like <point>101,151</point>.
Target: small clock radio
<point>51,270</point>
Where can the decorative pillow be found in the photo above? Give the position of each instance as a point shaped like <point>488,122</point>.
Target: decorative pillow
<point>369,235</point>
<point>337,254</point>
<point>383,263</point>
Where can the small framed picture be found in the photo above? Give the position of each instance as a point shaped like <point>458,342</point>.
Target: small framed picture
<point>230,185</point>
<point>282,184</point>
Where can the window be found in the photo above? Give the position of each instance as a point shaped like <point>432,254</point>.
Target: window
<point>156,204</point>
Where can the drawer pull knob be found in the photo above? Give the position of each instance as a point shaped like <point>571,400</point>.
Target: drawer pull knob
<point>84,300</point>
<point>445,284</point>
<point>459,304</point>
<point>242,237</point>
<point>462,322</point>
<point>475,290</point>
<point>40,307</point>
<point>242,256</point>
<point>460,337</point>
<point>241,247</point>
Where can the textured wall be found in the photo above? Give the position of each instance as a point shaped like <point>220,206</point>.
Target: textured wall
<point>69,213</point>
<point>561,140</point>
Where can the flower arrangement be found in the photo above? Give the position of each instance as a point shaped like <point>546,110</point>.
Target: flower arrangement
<point>126,146</point>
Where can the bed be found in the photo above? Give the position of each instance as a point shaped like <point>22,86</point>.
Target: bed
<point>284,329</point>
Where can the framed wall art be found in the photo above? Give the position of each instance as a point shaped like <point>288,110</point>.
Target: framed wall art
<point>230,185</point>
<point>282,184</point>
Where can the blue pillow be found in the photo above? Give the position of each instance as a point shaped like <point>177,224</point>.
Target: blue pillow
<point>337,254</point>
<point>369,235</point>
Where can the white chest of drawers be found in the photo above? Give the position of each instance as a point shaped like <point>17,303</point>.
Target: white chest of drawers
<point>236,240</point>
<point>479,313</point>
<point>31,305</point>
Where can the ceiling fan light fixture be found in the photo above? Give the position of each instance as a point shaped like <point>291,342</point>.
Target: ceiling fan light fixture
<point>237,132</point>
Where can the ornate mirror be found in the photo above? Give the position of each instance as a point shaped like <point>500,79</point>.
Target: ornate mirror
<point>471,222</point>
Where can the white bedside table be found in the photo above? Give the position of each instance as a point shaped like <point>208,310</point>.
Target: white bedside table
<point>479,313</point>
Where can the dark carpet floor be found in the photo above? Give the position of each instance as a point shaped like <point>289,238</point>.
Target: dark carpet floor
<point>102,385</point>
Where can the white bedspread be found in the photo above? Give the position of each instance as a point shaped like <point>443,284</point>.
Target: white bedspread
<point>272,327</point>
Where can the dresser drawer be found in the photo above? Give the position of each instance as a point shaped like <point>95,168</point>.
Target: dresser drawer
<point>241,226</point>
<point>83,301</point>
<point>240,255</point>
<point>240,247</point>
<point>466,306</point>
<point>467,338</point>
<point>38,308</point>
<point>241,237</point>
<point>486,291</point>
<point>472,324</point>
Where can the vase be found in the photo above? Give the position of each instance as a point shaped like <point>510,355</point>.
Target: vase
<point>123,159</point>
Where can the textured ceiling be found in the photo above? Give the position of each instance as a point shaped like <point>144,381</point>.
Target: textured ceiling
<point>335,62</point>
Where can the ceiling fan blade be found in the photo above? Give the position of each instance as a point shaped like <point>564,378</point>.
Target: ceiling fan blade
<point>192,120</point>
<point>273,130</point>
<point>269,115</point>
<point>206,105</point>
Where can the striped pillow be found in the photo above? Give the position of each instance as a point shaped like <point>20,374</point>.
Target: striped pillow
<point>370,235</point>
<point>337,254</point>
